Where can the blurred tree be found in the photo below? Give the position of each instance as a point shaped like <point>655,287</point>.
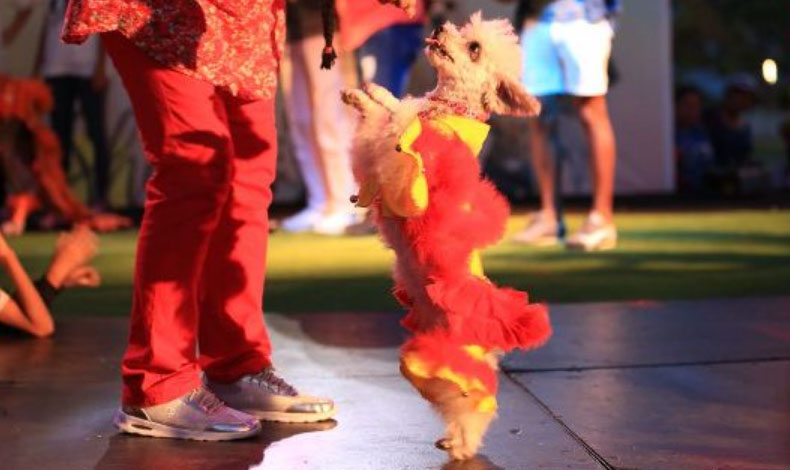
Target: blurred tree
<point>728,36</point>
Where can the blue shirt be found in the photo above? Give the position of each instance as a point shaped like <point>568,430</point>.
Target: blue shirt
<point>573,10</point>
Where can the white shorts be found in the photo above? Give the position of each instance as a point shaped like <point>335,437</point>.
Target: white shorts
<point>567,58</point>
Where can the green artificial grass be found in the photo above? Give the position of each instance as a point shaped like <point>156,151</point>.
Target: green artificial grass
<point>681,255</point>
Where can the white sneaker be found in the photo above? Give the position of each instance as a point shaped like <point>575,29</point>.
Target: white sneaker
<point>302,221</point>
<point>595,235</point>
<point>335,223</point>
<point>199,415</point>
<point>268,397</point>
<point>540,231</point>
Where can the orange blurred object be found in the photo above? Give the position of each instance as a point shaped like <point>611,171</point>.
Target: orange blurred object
<point>361,19</point>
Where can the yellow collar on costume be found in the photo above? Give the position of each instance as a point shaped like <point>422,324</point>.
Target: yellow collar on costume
<point>401,182</point>
<point>471,131</point>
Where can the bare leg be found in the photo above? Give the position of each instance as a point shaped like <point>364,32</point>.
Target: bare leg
<point>543,167</point>
<point>594,117</point>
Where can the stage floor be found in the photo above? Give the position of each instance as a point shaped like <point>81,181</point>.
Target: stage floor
<point>638,385</point>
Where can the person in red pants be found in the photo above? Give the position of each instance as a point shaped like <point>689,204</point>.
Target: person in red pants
<point>201,75</point>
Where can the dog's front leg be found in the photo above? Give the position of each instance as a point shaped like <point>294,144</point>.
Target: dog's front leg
<point>362,102</point>
<point>382,96</point>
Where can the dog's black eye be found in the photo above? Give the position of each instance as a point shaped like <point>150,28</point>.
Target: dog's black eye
<point>474,50</point>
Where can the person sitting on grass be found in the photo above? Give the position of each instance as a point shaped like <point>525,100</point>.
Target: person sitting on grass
<point>28,307</point>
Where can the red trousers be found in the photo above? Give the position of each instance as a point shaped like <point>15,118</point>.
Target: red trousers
<point>201,254</point>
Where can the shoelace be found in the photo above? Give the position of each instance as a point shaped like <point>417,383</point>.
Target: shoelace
<point>267,378</point>
<point>206,400</point>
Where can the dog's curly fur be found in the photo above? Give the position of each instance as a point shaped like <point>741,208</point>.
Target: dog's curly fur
<point>435,211</point>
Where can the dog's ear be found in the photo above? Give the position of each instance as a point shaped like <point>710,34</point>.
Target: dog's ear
<point>510,98</point>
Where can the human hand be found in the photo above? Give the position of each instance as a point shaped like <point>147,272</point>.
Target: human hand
<point>72,250</point>
<point>82,276</point>
<point>409,6</point>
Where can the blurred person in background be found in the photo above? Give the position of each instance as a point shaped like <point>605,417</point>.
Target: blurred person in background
<point>567,45</point>
<point>693,148</point>
<point>28,307</point>
<point>320,127</point>
<point>388,41</point>
<point>31,162</point>
<point>730,132</point>
<point>784,131</point>
<point>76,74</point>
<point>735,170</point>
<point>22,10</point>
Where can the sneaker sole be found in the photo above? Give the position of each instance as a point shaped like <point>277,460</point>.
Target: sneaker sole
<point>285,417</point>
<point>142,427</point>
<point>604,245</point>
<point>539,242</point>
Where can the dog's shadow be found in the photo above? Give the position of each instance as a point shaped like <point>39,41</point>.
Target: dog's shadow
<point>478,462</point>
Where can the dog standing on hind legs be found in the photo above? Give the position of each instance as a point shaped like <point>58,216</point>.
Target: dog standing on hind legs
<point>415,161</point>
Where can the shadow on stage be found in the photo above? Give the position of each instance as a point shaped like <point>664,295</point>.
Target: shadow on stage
<point>140,453</point>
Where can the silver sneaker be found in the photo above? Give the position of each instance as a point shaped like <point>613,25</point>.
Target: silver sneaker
<point>270,398</point>
<point>199,415</point>
<point>540,231</point>
<point>595,235</point>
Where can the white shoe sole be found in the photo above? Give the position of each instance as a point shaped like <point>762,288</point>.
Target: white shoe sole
<point>603,245</point>
<point>143,427</point>
<point>285,417</point>
<point>542,242</point>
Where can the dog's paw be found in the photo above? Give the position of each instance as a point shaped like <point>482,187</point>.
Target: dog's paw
<point>461,452</point>
<point>443,444</point>
<point>352,97</point>
<point>380,95</point>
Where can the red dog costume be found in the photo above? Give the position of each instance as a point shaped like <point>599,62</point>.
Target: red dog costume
<point>436,225</point>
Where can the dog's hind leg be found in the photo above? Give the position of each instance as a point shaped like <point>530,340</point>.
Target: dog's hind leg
<point>473,426</point>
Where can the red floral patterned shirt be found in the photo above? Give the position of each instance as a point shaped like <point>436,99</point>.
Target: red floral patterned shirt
<point>234,44</point>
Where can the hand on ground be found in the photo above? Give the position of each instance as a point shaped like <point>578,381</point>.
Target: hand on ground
<point>82,276</point>
<point>73,250</point>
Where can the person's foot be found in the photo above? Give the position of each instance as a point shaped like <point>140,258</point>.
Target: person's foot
<point>334,223</point>
<point>270,398</point>
<point>542,230</point>
<point>596,234</point>
<point>199,415</point>
<point>302,221</point>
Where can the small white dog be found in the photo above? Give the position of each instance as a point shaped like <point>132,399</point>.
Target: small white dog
<point>415,162</point>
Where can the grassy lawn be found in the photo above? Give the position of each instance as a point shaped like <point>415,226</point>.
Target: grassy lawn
<point>661,256</point>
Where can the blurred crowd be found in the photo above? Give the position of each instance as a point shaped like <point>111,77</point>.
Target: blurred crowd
<point>714,141</point>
